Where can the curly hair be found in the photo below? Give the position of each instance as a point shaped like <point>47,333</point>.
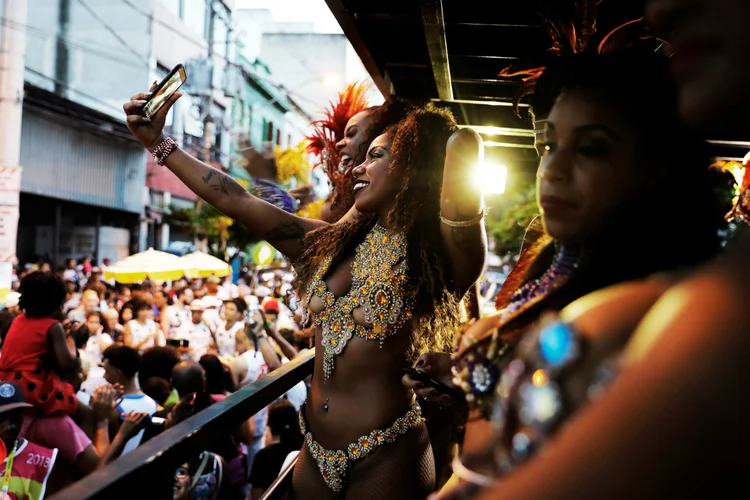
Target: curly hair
<point>42,294</point>
<point>388,114</point>
<point>417,157</point>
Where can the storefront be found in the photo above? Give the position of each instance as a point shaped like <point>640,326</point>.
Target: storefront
<point>82,186</point>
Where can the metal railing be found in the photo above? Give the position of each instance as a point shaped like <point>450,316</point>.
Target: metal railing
<point>149,469</point>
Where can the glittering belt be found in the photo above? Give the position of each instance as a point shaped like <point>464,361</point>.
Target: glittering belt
<point>335,464</point>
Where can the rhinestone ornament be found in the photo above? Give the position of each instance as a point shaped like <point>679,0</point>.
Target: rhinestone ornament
<point>378,287</point>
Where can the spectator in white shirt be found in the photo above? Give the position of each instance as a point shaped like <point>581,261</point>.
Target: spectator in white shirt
<point>200,332</point>
<point>226,335</point>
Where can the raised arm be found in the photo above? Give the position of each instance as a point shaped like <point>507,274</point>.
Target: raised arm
<point>283,230</point>
<point>461,208</point>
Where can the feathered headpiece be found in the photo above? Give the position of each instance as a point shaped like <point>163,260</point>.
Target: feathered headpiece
<point>575,36</point>
<point>330,130</point>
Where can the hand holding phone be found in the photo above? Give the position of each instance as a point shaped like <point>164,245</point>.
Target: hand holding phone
<point>424,378</point>
<point>147,111</point>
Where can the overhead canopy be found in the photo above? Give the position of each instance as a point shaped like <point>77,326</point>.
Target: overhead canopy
<point>151,264</point>
<point>451,51</point>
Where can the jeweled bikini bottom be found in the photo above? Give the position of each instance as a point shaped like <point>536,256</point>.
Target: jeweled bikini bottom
<point>335,464</point>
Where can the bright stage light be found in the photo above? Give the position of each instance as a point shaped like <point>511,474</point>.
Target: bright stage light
<point>491,178</point>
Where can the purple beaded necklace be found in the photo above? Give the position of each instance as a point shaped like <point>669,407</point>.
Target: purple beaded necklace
<point>563,265</point>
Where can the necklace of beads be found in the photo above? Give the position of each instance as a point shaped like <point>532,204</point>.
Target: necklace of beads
<point>378,287</point>
<point>563,265</point>
<point>479,374</point>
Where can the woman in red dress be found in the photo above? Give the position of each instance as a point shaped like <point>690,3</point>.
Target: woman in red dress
<point>37,351</point>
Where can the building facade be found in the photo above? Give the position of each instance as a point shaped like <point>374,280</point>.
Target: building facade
<point>82,178</point>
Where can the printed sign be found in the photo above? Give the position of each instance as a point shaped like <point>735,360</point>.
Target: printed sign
<point>10,187</point>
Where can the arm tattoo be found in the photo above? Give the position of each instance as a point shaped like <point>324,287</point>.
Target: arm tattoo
<point>224,184</point>
<point>286,231</point>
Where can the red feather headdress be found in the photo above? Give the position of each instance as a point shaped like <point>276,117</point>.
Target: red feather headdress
<point>330,130</point>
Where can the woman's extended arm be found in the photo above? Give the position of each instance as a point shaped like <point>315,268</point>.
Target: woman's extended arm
<point>462,201</point>
<point>283,230</point>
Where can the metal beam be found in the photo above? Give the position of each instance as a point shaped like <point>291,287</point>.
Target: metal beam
<point>490,130</point>
<point>512,145</point>
<point>349,27</point>
<point>731,144</point>
<point>507,104</point>
<point>437,45</point>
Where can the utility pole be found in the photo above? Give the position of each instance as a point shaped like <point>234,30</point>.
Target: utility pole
<point>208,121</point>
<point>12,55</point>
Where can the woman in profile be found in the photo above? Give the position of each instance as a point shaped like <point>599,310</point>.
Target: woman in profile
<point>608,175</point>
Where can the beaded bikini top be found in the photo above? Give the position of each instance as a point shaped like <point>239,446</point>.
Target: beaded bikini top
<point>378,287</point>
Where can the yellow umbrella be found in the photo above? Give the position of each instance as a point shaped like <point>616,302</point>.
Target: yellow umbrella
<point>152,264</point>
<point>204,265</point>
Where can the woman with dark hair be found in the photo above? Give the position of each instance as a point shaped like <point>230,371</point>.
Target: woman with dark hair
<point>219,382</point>
<point>141,332</point>
<point>37,351</point>
<point>382,287</point>
<point>608,175</point>
<point>341,141</point>
<point>285,438</point>
<point>680,394</point>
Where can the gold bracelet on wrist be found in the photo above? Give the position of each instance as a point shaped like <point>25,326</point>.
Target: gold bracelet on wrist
<point>463,223</point>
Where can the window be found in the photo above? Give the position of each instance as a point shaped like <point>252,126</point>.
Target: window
<point>289,140</point>
<point>278,137</point>
<point>269,132</point>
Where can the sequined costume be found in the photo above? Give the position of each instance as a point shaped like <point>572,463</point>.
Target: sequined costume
<point>479,362</point>
<point>335,464</point>
<point>378,287</point>
<point>531,401</point>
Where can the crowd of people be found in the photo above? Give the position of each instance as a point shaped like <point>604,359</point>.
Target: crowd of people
<point>613,365</point>
<point>90,371</point>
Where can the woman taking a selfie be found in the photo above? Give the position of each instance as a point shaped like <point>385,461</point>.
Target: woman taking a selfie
<point>381,287</point>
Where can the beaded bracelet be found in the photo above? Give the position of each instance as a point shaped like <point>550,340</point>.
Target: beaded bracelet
<point>163,150</point>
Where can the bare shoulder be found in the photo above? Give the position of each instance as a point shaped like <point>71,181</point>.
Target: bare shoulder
<point>615,311</point>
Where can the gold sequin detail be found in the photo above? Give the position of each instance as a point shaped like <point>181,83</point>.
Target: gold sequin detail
<point>334,465</point>
<point>378,287</point>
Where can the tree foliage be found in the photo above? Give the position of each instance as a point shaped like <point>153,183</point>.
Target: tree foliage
<point>220,231</point>
<point>508,221</point>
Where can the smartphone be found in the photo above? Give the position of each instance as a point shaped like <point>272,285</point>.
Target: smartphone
<point>442,388</point>
<point>164,90</point>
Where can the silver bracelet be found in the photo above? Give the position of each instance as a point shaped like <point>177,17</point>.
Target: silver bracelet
<point>463,223</point>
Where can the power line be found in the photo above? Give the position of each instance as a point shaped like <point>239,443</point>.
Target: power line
<point>113,32</point>
<point>114,56</point>
<point>73,89</point>
<point>164,24</point>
